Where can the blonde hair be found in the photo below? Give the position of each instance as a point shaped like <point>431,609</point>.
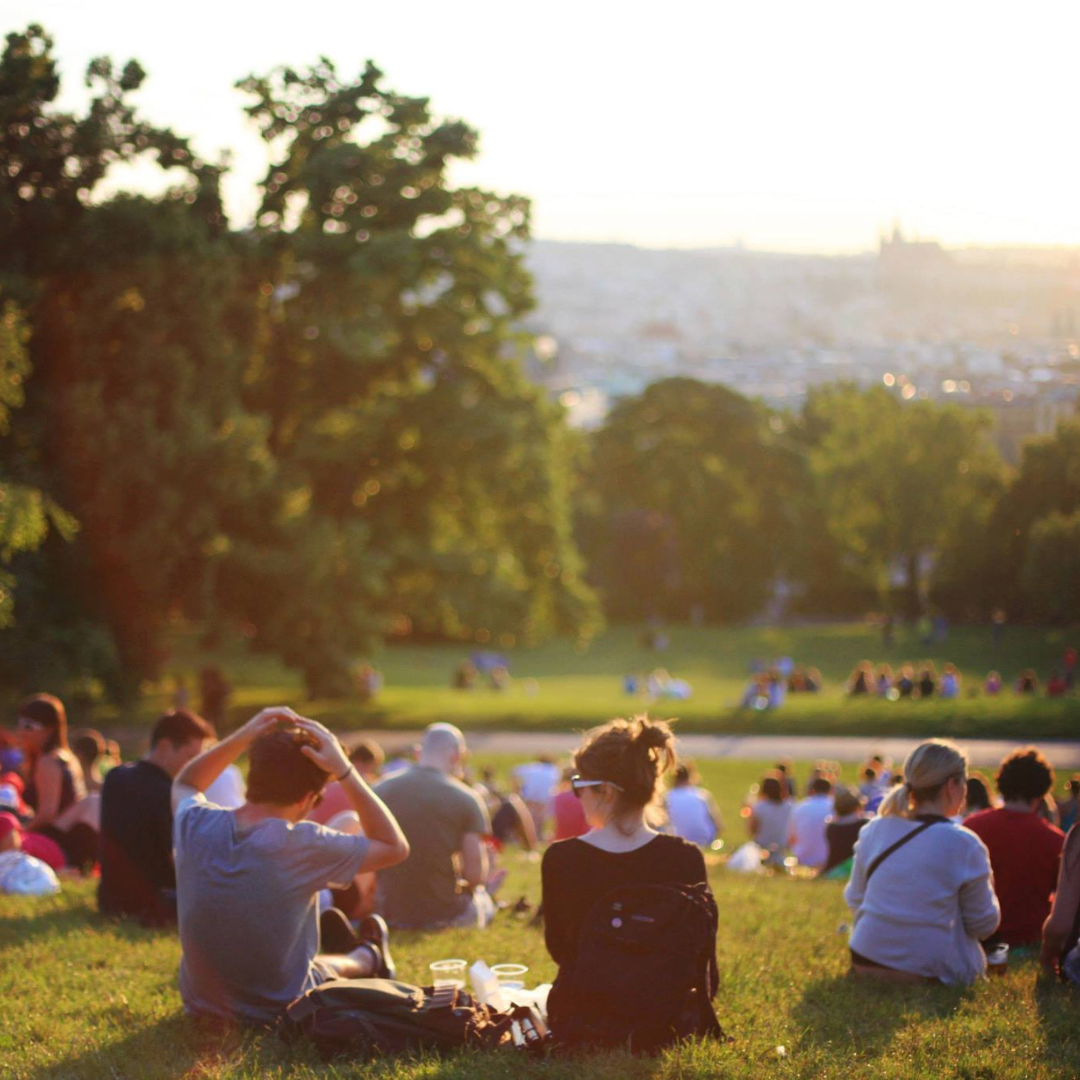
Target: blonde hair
<point>927,769</point>
<point>635,754</point>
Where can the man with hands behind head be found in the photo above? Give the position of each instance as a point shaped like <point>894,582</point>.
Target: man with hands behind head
<point>248,879</point>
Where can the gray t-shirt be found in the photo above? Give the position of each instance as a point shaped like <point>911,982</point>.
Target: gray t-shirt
<point>247,905</point>
<point>434,811</point>
<point>773,820</point>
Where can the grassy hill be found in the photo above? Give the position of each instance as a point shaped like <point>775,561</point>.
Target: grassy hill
<point>560,686</point>
<point>89,999</point>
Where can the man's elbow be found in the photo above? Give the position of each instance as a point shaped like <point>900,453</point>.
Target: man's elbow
<point>401,851</point>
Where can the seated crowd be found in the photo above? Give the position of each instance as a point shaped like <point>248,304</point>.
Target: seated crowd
<point>299,876</point>
<point>915,682</point>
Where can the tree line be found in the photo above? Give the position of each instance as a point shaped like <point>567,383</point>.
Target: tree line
<point>319,431</point>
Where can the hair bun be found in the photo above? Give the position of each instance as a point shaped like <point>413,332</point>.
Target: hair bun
<point>653,734</point>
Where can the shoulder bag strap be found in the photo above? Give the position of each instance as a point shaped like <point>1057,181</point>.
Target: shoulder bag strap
<point>895,847</point>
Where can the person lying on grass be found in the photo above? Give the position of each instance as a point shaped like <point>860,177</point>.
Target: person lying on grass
<point>248,880</point>
<point>921,886</point>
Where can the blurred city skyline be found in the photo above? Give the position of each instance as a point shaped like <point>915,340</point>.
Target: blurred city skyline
<point>786,128</point>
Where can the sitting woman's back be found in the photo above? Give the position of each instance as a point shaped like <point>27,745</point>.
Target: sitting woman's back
<point>618,777</point>
<point>921,887</point>
<point>576,874</point>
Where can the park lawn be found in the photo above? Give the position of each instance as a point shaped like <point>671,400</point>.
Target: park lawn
<point>86,998</point>
<point>563,686</point>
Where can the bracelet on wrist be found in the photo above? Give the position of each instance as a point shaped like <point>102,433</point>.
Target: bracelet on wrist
<point>345,775</point>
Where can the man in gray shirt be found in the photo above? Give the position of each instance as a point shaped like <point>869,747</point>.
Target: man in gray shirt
<point>445,823</point>
<point>248,879</point>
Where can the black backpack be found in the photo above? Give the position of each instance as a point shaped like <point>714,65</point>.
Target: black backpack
<point>645,971</point>
<point>380,1016</point>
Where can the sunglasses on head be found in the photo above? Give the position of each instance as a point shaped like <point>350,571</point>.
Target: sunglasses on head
<point>24,724</point>
<point>578,784</point>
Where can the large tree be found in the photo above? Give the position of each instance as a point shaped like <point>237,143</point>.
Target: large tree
<point>411,444</point>
<point>687,503</point>
<point>316,429</point>
<point>1047,483</point>
<point>896,479</point>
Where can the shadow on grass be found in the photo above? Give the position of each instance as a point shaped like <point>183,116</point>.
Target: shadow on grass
<point>1058,1006</point>
<point>71,915</point>
<point>180,1045</point>
<point>175,1046</point>
<point>859,1016</point>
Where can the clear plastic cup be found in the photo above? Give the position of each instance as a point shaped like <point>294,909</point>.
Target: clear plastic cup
<point>448,973</point>
<point>510,976</point>
<point>997,959</point>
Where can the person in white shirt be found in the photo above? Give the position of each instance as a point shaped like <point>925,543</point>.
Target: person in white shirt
<point>228,790</point>
<point>692,811</point>
<point>921,888</point>
<point>536,782</point>
<point>806,832</point>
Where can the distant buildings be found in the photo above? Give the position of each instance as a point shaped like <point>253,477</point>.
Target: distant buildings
<point>992,329</point>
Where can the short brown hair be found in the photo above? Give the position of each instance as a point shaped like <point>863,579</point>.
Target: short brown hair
<point>1025,774</point>
<point>180,726</point>
<point>280,772</point>
<point>367,752</point>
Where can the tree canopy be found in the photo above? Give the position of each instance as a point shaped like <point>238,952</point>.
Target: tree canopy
<point>318,429</point>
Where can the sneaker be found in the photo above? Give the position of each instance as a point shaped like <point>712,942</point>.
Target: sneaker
<point>375,934</point>
<point>336,934</point>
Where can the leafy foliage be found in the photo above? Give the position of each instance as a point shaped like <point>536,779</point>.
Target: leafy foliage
<point>896,479</point>
<point>316,430</point>
<point>1050,577</point>
<point>1047,483</point>
<point>687,502</point>
<point>416,454</point>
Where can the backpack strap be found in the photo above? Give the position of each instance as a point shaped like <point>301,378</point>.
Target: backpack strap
<point>922,827</point>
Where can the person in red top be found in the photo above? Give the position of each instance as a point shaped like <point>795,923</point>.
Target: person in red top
<point>1025,849</point>
<point>567,811</point>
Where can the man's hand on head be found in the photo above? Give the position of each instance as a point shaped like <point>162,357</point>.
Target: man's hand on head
<point>266,720</point>
<point>324,748</point>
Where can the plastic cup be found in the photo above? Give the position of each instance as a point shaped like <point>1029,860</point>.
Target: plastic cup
<point>997,959</point>
<point>510,976</point>
<point>448,973</point>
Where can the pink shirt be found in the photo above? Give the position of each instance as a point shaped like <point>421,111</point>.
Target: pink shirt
<point>45,849</point>
<point>334,801</point>
<point>569,816</point>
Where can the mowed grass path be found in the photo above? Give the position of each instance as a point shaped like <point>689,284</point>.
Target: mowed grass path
<point>87,998</point>
<point>560,686</point>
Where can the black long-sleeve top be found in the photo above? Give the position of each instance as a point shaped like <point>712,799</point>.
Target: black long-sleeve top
<point>576,875</point>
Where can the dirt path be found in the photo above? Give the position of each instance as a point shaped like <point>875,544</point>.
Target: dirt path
<point>1065,756</point>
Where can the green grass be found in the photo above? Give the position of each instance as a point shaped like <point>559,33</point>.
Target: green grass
<point>560,687</point>
<point>86,998</point>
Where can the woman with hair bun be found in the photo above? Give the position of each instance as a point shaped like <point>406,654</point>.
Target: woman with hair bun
<point>921,887</point>
<point>619,772</point>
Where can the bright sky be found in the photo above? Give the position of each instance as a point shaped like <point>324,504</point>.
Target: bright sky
<point>788,125</point>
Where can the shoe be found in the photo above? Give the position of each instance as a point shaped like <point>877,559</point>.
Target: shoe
<point>336,935</point>
<point>375,934</point>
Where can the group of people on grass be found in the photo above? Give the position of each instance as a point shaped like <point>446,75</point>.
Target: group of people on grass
<point>770,683</point>
<point>303,880</point>
<point>921,681</point>
<point>996,872</point>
